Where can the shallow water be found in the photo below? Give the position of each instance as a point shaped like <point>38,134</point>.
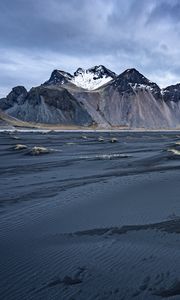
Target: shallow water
<point>85,184</point>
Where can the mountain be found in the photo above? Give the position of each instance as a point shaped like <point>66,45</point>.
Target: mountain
<point>45,104</point>
<point>97,96</point>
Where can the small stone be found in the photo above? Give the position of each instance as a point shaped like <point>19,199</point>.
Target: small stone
<point>38,150</point>
<point>101,139</point>
<point>113,140</point>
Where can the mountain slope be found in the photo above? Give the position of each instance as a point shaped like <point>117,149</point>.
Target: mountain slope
<point>132,100</point>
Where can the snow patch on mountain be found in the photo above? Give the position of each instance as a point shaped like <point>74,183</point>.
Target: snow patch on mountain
<point>141,86</point>
<point>89,82</point>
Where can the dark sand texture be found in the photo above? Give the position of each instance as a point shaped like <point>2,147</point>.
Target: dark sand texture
<point>90,219</point>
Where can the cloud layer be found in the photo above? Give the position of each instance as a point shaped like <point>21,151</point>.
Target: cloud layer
<point>37,36</point>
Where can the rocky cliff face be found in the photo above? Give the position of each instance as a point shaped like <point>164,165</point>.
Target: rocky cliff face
<point>97,96</point>
<point>171,96</point>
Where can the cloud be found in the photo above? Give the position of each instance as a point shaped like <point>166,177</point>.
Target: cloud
<point>39,35</point>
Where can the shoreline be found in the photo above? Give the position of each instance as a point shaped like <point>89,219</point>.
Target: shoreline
<point>85,130</point>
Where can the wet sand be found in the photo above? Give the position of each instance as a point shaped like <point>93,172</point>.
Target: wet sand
<point>90,219</point>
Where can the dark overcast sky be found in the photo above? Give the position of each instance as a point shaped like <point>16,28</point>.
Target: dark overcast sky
<point>37,36</point>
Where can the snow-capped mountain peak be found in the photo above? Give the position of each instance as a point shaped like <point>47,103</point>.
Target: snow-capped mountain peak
<point>92,78</point>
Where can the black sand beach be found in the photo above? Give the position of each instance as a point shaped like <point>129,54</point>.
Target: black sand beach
<point>96,216</point>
